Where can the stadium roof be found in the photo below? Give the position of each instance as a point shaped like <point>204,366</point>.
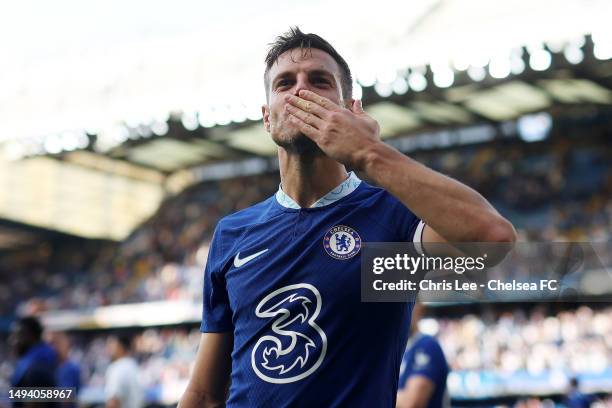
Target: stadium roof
<point>19,236</point>
<point>74,66</point>
<point>397,106</point>
<point>112,119</point>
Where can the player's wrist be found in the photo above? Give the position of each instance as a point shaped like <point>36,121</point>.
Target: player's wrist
<point>379,160</point>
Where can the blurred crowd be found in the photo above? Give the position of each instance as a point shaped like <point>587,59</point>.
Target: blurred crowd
<point>50,359</point>
<point>560,191</point>
<point>165,355</point>
<point>555,191</point>
<point>570,342</point>
<point>161,260</point>
<point>574,341</point>
<point>535,402</point>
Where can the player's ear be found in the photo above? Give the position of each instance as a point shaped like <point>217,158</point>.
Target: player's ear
<point>265,112</point>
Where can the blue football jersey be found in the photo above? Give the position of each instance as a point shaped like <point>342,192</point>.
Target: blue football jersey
<point>286,281</point>
<point>425,357</point>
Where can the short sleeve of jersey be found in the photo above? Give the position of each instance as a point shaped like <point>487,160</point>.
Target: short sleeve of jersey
<point>410,227</point>
<point>216,311</point>
<point>428,360</point>
<point>69,375</point>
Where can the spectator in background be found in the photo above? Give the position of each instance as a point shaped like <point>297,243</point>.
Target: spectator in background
<point>37,361</point>
<point>422,379</point>
<point>123,388</point>
<point>574,398</point>
<point>68,372</point>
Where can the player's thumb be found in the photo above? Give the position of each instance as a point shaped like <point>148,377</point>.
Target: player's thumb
<point>357,108</point>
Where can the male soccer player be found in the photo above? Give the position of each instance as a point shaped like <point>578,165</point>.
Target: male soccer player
<point>37,361</point>
<point>122,388</point>
<point>575,398</point>
<point>68,372</point>
<point>422,380</point>
<point>282,319</point>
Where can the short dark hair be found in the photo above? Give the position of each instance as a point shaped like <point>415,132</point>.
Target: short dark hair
<point>295,38</point>
<point>125,341</point>
<point>32,326</point>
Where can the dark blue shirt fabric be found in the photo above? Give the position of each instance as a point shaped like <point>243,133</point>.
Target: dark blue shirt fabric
<point>36,368</point>
<point>425,357</point>
<point>286,281</point>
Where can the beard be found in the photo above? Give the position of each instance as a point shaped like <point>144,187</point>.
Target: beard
<point>298,143</point>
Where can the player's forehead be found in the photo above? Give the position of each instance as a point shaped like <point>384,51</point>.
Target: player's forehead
<point>304,60</point>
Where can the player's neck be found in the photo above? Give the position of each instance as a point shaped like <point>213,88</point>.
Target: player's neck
<point>307,179</point>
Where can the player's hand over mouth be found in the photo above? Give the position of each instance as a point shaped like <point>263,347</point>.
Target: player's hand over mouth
<point>346,135</point>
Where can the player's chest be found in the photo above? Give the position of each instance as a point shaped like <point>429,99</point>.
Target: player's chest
<point>301,248</point>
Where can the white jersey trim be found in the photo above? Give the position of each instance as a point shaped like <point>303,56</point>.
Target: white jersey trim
<point>418,238</point>
<point>345,188</point>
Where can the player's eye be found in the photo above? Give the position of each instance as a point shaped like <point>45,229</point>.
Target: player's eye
<point>283,83</point>
<point>322,81</point>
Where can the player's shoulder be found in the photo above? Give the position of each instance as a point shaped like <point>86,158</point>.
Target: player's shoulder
<point>258,213</point>
<point>426,339</point>
<point>368,195</point>
<point>71,366</point>
<point>232,228</point>
<point>429,344</point>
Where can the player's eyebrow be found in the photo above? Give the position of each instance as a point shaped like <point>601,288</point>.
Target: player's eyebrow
<point>282,75</point>
<point>321,72</point>
<point>314,72</point>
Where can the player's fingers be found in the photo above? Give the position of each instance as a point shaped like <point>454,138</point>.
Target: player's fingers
<point>307,106</point>
<point>306,117</point>
<point>357,107</point>
<point>319,100</point>
<point>304,127</point>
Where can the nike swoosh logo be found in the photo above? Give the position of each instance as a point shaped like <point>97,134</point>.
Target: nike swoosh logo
<point>239,262</point>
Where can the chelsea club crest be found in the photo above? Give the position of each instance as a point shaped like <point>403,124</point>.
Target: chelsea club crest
<point>342,242</point>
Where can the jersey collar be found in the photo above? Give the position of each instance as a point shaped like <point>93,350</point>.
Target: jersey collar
<point>345,188</point>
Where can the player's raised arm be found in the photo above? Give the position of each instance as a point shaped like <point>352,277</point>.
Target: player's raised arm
<point>210,379</point>
<point>452,211</point>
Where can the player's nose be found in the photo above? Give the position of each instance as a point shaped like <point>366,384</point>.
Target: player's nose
<point>301,83</point>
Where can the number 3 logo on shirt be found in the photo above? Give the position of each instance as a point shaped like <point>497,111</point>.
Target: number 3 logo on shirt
<point>296,345</point>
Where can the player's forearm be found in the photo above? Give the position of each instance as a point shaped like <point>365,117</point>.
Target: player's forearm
<point>113,403</point>
<point>452,209</point>
<point>195,399</point>
<point>404,401</point>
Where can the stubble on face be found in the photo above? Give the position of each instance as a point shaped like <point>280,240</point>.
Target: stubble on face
<point>284,133</point>
<point>299,144</point>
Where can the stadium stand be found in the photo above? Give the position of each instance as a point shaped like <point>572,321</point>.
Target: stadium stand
<point>558,190</point>
<point>563,193</point>
<point>493,352</point>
